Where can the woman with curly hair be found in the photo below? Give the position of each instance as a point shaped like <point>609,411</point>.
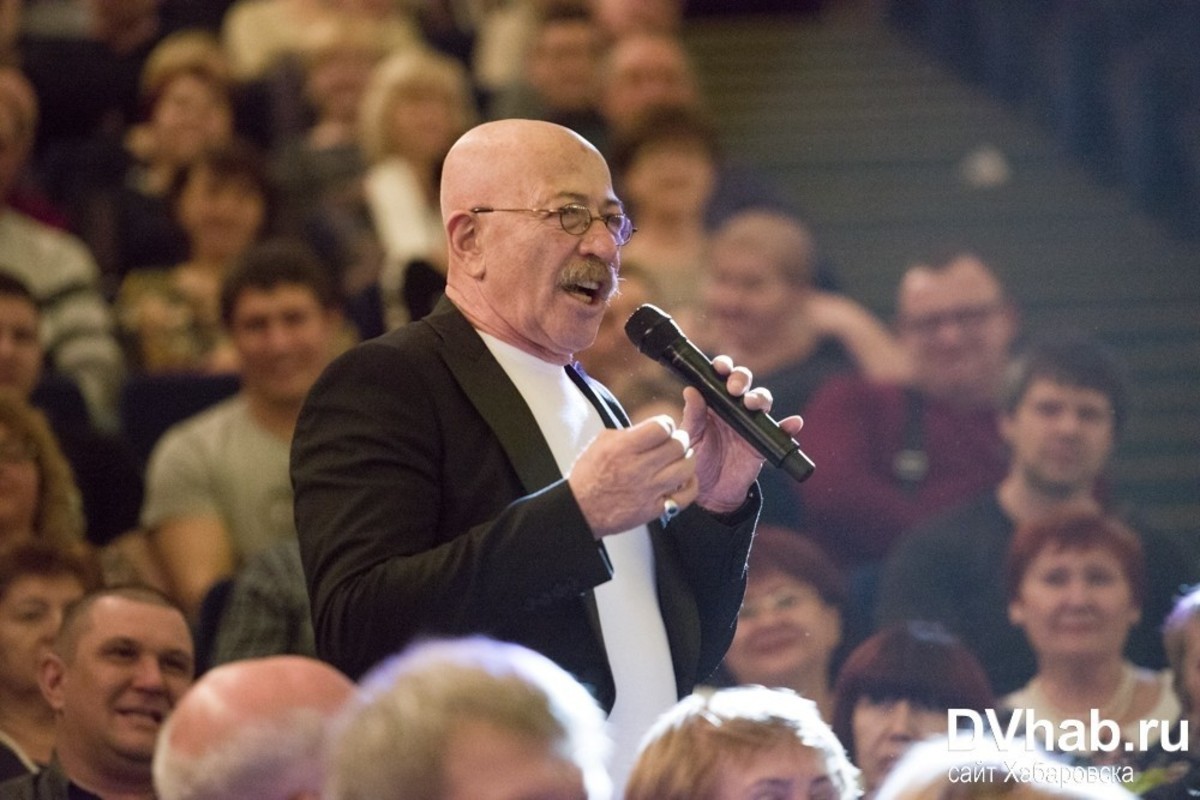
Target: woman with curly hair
<point>38,495</point>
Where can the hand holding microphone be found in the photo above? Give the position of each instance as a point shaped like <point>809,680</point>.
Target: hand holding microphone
<point>657,336</point>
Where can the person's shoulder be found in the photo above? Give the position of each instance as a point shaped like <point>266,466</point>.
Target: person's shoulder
<point>204,429</point>
<point>962,525</point>
<point>50,249</point>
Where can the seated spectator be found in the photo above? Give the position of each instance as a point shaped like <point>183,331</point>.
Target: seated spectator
<point>477,718</point>
<point>38,581</point>
<point>266,612</point>
<point>665,168</point>
<point>253,729</point>
<point>217,485</point>
<point>170,317</point>
<point>558,74</point>
<point>742,743</point>
<point>894,454</point>
<point>760,305</point>
<point>894,690</point>
<point>1170,775</point>
<point>118,193</point>
<point>790,624</point>
<point>119,664</point>
<point>1076,584</point>
<point>38,498</point>
<point>76,326</point>
<point>647,69</point>
<point>416,106</point>
<point>105,468</point>
<point>323,165</point>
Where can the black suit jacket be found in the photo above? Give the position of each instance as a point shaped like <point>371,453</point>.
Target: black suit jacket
<point>428,503</point>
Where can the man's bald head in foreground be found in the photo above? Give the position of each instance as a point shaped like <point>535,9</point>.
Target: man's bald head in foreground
<point>253,728</point>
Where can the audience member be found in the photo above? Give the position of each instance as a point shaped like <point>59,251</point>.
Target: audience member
<point>760,306</point>
<point>170,317</point>
<point>120,663</point>
<point>118,192</point>
<point>892,455</point>
<point>440,456</point>
<point>1076,585</point>
<point>323,165</point>
<point>217,486</point>
<point>560,72</point>
<point>1063,407</point>
<point>895,689</point>
<point>1176,775</point>
<point>747,742</point>
<point>38,496</point>
<point>666,167</point>
<point>254,729</point>
<point>76,326</point>
<point>643,71</point>
<point>414,108</point>
<point>105,468</point>
<point>790,624</point>
<point>266,612</point>
<point>933,771</point>
<point>38,581</point>
<point>477,719</point>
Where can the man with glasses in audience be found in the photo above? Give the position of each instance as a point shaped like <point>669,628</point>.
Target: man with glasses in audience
<point>892,455</point>
<point>461,475</point>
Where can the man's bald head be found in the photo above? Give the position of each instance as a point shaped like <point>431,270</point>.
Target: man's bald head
<point>253,728</point>
<point>507,158</point>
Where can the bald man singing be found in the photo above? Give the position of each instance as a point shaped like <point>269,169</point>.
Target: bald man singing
<point>255,728</point>
<point>461,475</point>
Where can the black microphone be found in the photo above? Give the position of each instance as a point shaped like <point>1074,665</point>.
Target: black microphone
<point>656,335</point>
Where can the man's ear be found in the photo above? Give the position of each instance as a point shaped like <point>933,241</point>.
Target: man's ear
<point>51,676</point>
<point>462,234</point>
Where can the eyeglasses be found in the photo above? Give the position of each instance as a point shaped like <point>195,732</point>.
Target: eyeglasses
<point>968,318</point>
<point>782,600</point>
<point>576,219</point>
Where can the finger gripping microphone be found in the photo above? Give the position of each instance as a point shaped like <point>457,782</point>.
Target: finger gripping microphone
<point>656,335</point>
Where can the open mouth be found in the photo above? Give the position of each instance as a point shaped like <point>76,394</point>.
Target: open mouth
<point>589,292</point>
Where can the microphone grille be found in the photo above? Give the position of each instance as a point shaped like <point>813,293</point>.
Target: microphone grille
<point>652,331</point>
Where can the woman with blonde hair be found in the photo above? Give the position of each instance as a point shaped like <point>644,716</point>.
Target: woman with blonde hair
<point>415,107</point>
<point>38,495</point>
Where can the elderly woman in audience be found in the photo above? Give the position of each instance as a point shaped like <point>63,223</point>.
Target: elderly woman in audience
<point>415,106</point>
<point>791,620</point>
<point>325,163</point>
<point>38,580</point>
<point>170,318</point>
<point>1076,582</point>
<point>38,496</point>
<point>745,742</point>
<point>895,689</point>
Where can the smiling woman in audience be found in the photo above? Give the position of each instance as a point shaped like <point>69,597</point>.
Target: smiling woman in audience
<point>791,621</point>
<point>38,581</point>
<point>1076,583</point>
